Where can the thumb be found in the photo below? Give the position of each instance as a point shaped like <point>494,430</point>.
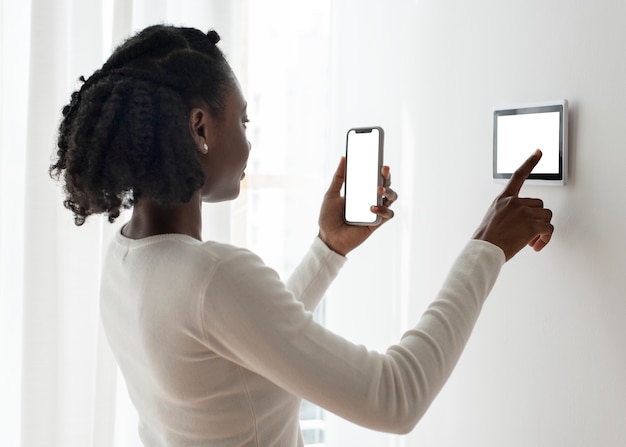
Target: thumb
<point>338,178</point>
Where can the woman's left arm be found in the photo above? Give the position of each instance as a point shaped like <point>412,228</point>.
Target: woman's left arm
<point>321,264</point>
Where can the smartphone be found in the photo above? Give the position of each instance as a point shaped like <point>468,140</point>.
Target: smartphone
<point>364,161</point>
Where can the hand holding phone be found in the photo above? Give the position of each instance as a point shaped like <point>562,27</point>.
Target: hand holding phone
<point>364,159</point>
<point>333,229</point>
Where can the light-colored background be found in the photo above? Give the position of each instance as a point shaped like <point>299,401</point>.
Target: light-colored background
<point>547,362</point>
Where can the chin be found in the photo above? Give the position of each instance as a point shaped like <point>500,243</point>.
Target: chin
<point>216,198</point>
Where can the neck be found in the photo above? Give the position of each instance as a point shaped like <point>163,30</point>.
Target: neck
<point>151,219</point>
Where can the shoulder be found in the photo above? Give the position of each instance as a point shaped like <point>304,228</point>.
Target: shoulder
<point>236,265</point>
<point>180,256</point>
<point>228,257</point>
<point>221,264</point>
<point>223,252</point>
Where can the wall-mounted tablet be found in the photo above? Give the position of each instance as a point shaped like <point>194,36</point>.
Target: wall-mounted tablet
<point>518,130</point>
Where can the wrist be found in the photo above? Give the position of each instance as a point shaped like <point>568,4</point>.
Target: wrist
<point>334,247</point>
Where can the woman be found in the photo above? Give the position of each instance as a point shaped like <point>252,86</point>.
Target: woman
<point>214,348</point>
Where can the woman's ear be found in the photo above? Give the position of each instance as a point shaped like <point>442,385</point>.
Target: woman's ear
<point>201,128</point>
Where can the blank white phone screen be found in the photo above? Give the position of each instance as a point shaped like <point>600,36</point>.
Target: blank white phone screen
<point>518,137</point>
<point>362,166</point>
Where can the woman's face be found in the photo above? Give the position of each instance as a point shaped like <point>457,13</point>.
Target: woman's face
<point>225,162</point>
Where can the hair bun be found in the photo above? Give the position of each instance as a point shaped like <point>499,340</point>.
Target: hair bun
<point>213,36</point>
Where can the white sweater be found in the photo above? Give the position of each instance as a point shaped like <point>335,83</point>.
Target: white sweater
<point>217,351</point>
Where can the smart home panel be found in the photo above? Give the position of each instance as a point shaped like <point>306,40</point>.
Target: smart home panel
<point>518,130</point>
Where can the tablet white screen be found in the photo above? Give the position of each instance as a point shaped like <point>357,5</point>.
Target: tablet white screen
<point>520,130</point>
<point>519,135</point>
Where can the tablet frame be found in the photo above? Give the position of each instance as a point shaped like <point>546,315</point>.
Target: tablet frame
<point>560,106</point>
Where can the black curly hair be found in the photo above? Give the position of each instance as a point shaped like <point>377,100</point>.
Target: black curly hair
<point>125,133</point>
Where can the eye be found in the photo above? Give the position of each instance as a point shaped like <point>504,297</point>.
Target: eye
<point>245,122</point>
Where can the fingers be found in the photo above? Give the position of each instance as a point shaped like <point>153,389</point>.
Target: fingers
<point>383,211</point>
<point>386,172</point>
<point>544,234</point>
<point>539,219</point>
<point>540,241</point>
<point>530,203</point>
<point>389,196</point>
<point>539,225</point>
<point>512,223</point>
<point>514,185</point>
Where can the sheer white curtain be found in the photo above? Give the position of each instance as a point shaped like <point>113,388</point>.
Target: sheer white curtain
<point>13,78</point>
<point>47,278</point>
<point>57,377</point>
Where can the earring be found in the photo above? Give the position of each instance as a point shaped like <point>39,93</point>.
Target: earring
<point>205,148</point>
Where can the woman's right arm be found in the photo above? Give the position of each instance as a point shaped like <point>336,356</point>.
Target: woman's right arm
<point>251,319</point>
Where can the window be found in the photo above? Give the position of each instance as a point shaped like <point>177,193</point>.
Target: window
<point>287,87</point>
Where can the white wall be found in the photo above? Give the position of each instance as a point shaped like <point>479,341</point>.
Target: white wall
<point>547,364</point>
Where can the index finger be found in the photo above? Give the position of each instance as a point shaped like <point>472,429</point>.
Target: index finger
<point>514,185</point>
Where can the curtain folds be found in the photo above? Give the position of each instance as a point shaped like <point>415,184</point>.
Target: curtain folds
<point>14,40</point>
<point>58,380</point>
<point>60,319</point>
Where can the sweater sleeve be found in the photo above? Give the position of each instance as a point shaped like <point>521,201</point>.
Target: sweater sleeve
<point>312,277</point>
<point>252,319</point>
